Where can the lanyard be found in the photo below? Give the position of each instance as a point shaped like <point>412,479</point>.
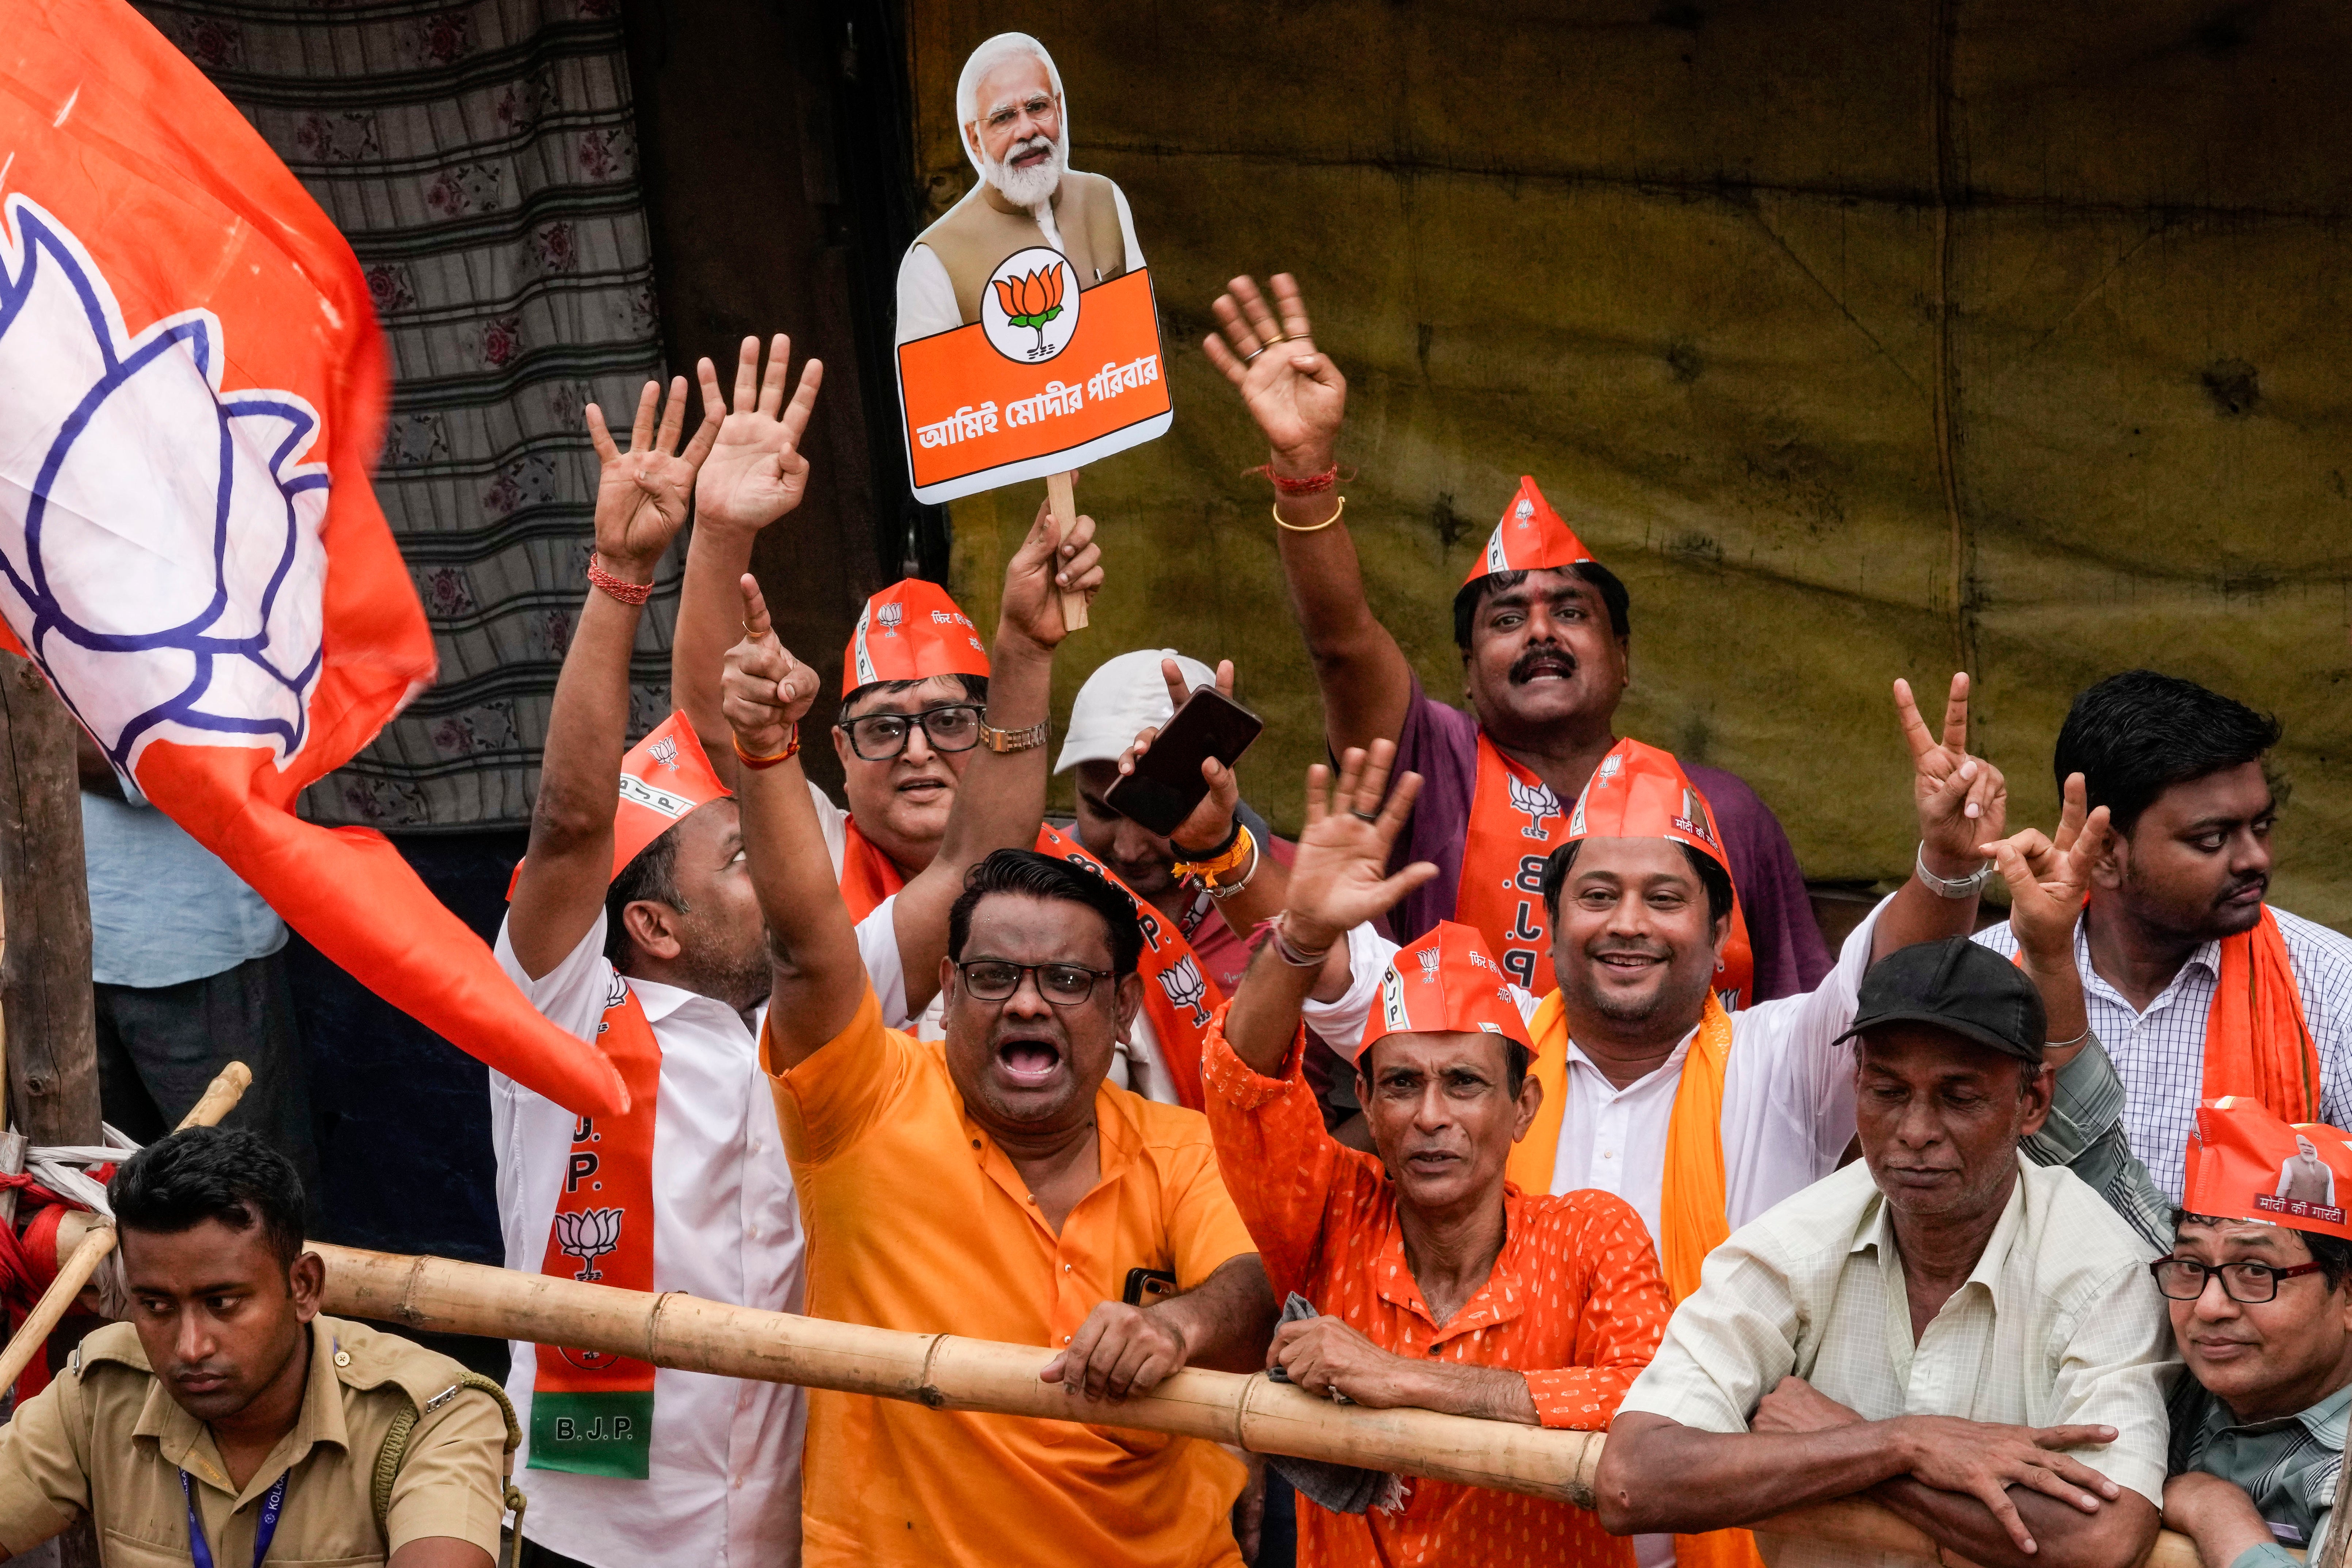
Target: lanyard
<point>264,1531</point>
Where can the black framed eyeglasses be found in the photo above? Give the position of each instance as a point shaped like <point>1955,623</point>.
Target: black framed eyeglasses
<point>2248,1284</point>
<point>996,979</point>
<point>881,737</point>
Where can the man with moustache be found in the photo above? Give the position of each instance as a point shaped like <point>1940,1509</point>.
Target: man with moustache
<point>2199,987</point>
<point>1014,125</point>
<point>992,1185</point>
<point>1944,1328</point>
<point>2262,1313</point>
<point>1545,635</point>
<point>1436,1283</point>
<point>229,1420</point>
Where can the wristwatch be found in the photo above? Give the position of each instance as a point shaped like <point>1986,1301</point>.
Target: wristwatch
<point>1952,886</point>
<point>1003,740</point>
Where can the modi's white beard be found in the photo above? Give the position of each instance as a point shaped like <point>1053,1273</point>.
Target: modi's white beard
<point>1028,187</point>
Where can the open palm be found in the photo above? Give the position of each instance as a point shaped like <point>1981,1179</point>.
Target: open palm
<point>1294,392</point>
<point>1338,877</point>
<point>641,494</point>
<point>756,472</point>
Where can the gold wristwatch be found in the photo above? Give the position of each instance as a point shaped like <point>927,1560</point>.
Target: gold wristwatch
<point>1003,740</point>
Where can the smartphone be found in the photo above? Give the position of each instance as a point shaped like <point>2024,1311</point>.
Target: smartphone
<point>1167,784</point>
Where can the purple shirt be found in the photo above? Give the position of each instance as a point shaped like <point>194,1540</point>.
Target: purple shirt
<point>1440,744</point>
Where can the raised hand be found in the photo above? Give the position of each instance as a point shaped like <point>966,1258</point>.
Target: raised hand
<point>641,494</point>
<point>756,473</point>
<point>1212,822</point>
<point>1040,572</point>
<point>1963,801</point>
<point>1339,877</point>
<point>765,692</point>
<point>1293,390</point>
<point>2049,877</point>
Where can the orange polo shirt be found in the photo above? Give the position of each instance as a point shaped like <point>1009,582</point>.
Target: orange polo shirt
<point>1575,1302</point>
<point>917,1220</point>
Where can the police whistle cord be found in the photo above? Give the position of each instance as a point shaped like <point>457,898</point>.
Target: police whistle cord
<point>943,1372</point>
<point>75,1269</point>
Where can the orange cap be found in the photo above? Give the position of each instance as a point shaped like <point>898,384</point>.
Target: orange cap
<point>1530,538</point>
<point>1445,985</point>
<point>910,631</point>
<point>662,777</point>
<point>1641,792</point>
<point>2246,1163</point>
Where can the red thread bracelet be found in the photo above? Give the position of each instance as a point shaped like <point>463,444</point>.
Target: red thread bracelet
<point>604,582</point>
<point>1313,484</point>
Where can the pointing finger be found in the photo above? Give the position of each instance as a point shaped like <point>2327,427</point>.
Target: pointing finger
<point>1915,728</point>
<point>755,609</point>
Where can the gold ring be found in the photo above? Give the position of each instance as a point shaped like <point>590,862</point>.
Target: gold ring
<point>1278,337</point>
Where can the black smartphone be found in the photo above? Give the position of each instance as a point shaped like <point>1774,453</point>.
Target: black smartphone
<point>1148,1287</point>
<point>1167,784</point>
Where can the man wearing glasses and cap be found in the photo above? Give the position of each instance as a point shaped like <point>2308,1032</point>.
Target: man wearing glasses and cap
<point>2259,1287</point>
<point>1964,1336</point>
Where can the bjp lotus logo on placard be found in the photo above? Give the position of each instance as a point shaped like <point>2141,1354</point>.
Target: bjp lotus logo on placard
<point>1030,309</point>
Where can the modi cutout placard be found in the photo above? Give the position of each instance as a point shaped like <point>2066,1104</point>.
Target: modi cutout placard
<point>2246,1163</point>
<point>1028,339</point>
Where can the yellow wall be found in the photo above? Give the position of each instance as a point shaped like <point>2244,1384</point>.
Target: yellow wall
<point>1858,339</point>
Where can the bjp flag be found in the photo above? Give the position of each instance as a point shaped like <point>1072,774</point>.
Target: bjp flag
<point>191,394</point>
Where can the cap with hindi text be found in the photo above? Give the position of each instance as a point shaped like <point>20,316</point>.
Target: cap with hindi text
<point>1531,537</point>
<point>1641,792</point>
<point>1445,985</point>
<point>911,631</point>
<point>2246,1163</point>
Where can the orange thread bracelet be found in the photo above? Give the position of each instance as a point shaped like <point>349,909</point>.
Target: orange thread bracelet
<point>792,749</point>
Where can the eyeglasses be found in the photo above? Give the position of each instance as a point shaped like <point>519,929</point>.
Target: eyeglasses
<point>2249,1284</point>
<point>880,737</point>
<point>1036,108</point>
<point>996,979</point>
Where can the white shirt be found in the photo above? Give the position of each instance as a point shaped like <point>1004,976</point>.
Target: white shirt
<point>2160,1054</point>
<point>927,298</point>
<point>724,1487</point>
<point>2058,1325</point>
<point>1788,1092</point>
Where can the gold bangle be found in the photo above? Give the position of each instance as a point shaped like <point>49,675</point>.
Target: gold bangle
<point>1311,527</point>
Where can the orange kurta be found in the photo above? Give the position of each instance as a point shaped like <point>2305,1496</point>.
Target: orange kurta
<point>1574,1303</point>
<point>917,1220</point>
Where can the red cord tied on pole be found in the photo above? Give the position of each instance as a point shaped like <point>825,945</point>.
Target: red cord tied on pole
<point>28,1262</point>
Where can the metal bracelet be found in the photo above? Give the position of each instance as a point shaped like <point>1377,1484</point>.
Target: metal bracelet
<point>1003,740</point>
<point>1949,887</point>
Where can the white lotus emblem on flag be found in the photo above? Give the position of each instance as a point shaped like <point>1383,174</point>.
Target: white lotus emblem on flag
<point>159,538</point>
<point>587,1235</point>
<point>1182,980</point>
<point>1533,797</point>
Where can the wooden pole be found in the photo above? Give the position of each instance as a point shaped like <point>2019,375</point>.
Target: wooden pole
<point>52,1034</point>
<point>1062,500</point>
<point>218,1099</point>
<point>944,1372</point>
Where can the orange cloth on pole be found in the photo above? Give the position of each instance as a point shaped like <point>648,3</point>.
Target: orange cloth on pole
<point>917,1220</point>
<point>1574,1303</point>
<point>2257,1042</point>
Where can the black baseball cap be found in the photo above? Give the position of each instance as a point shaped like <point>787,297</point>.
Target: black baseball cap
<point>1960,986</point>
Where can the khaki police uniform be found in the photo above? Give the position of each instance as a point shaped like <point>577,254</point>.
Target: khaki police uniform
<point>107,1438</point>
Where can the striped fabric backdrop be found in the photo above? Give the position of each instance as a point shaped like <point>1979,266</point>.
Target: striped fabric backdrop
<point>481,159</point>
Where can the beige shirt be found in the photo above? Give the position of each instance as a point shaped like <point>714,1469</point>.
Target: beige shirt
<point>107,1428</point>
<point>2059,1323</point>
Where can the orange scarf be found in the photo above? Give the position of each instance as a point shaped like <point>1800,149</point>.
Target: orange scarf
<point>1692,1207</point>
<point>2256,1040</point>
<point>1514,825</point>
<point>591,1412</point>
<point>1179,996</point>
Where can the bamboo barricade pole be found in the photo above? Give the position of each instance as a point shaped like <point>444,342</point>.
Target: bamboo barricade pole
<point>220,1098</point>
<point>440,1295</point>
<point>1061,500</point>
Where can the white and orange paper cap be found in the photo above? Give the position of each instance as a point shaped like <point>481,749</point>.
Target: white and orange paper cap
<point>2246,1163</point>
<point>1530,538</point>
<point>1641,792</point>
<point>662,777</point>
<point>911,631</point>
<point>1445,985</point>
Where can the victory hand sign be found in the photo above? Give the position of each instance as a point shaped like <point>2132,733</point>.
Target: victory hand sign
<point>1963,801</point>
<point>1293,391</point>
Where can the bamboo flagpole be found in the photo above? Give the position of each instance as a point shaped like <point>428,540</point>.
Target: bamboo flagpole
<point>945,1373</point>
<point>218,1099</point>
